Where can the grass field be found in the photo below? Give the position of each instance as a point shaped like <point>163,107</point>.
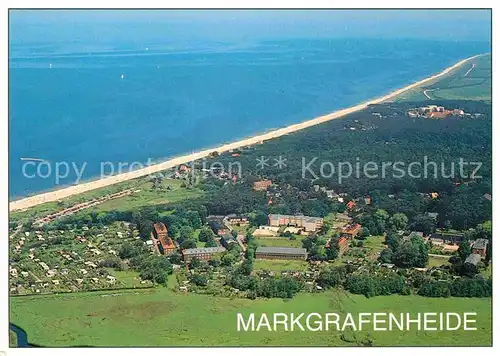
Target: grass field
<point>145,196</point>
<point>160,317</point>
<point>435,261</point>
<point>279,265</point>
<point>465,82</point>
<point>279,242</point>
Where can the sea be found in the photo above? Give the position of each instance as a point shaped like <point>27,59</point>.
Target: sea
<point>90,106</point>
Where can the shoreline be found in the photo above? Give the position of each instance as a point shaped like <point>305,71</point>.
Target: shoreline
<point>63,193</point>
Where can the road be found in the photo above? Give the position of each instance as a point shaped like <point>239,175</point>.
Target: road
<point>470,70</point>
<point>427,95</point>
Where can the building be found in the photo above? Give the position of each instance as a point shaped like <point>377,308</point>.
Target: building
<point>217,224</point>
<point>262,185</point>
<point>343,244</point>
<point>351,205</point>
<point>161,241</point>
<point>446,238</point>
<point>473,259</point>
<point>237,219</point>
<point>204,254</point>
<point>160,230</point>
<point>226,240</point>
<point>281,253</point>
<point>308,223</point>
<point>479,247</point>
<point>350,231</point>
<point>167,246</point>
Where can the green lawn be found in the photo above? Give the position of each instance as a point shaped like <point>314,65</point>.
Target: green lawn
<point>438,261</point>
<point>280,242</point>
<point>160,317</point>
<point>476,85</point>
<point>279,265</point>
<point>147,196</point>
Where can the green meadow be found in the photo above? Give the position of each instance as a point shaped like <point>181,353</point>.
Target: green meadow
<point>464,83</point>
<point>161,317</point>
<point>143,195</point>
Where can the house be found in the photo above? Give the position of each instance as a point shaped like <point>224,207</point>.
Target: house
<point>368,200</point>
<point>309,223</point>
<point>205,254</point>
<point>281,253</point>
<point>487,196</point>
<point>160,230</point>
<point>473,259</point>
<point>350,231</point>
<point>479,247</point>
<point>226,240</point>
<point>351,205</point>
<point>218,225</point>
<point>434,195</point>
<point>343,244</point>
<point>262,185</point>
<point>446,238</point>
<point>237,219</point>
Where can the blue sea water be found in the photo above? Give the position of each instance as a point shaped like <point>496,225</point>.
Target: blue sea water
<point>69,103</point>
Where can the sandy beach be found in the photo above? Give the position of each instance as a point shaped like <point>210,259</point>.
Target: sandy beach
<point>55,195</point>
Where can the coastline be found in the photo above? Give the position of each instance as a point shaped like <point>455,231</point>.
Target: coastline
<point>66,192</point>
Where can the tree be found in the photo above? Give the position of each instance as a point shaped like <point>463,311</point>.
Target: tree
<point>186,233</point>
<point>194,219</point>
<point>260,218</point>
<point>175,258</point>
<point>332,251</point>
<point>206,234</point>
<point>423,223</point>
<point>188,243</point>
<point>386,255</point>
<point>464,250</point>
<point>194,263</point>
<point>211,242</point>
<point>246,267</point>
<point>145,229</point>
<point>199,280</point>
<point>399,221</point>
<point>412,253</point>
<point>393,240</point>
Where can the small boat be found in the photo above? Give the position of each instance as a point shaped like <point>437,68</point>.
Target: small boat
<point>122,76</point>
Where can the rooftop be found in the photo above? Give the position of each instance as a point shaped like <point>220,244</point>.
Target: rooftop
<point>473,258</point>
<point>160,227</point>
<point>480,244</point>
<point>283,250</point>
<point>195,251</point>
<point>304,217</point>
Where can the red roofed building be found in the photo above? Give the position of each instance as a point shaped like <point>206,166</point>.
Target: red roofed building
<point>350,231</point>
<point>160,233</point>
<point>262,185</point>
<point>351,204</point>
<point>343,245</point>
